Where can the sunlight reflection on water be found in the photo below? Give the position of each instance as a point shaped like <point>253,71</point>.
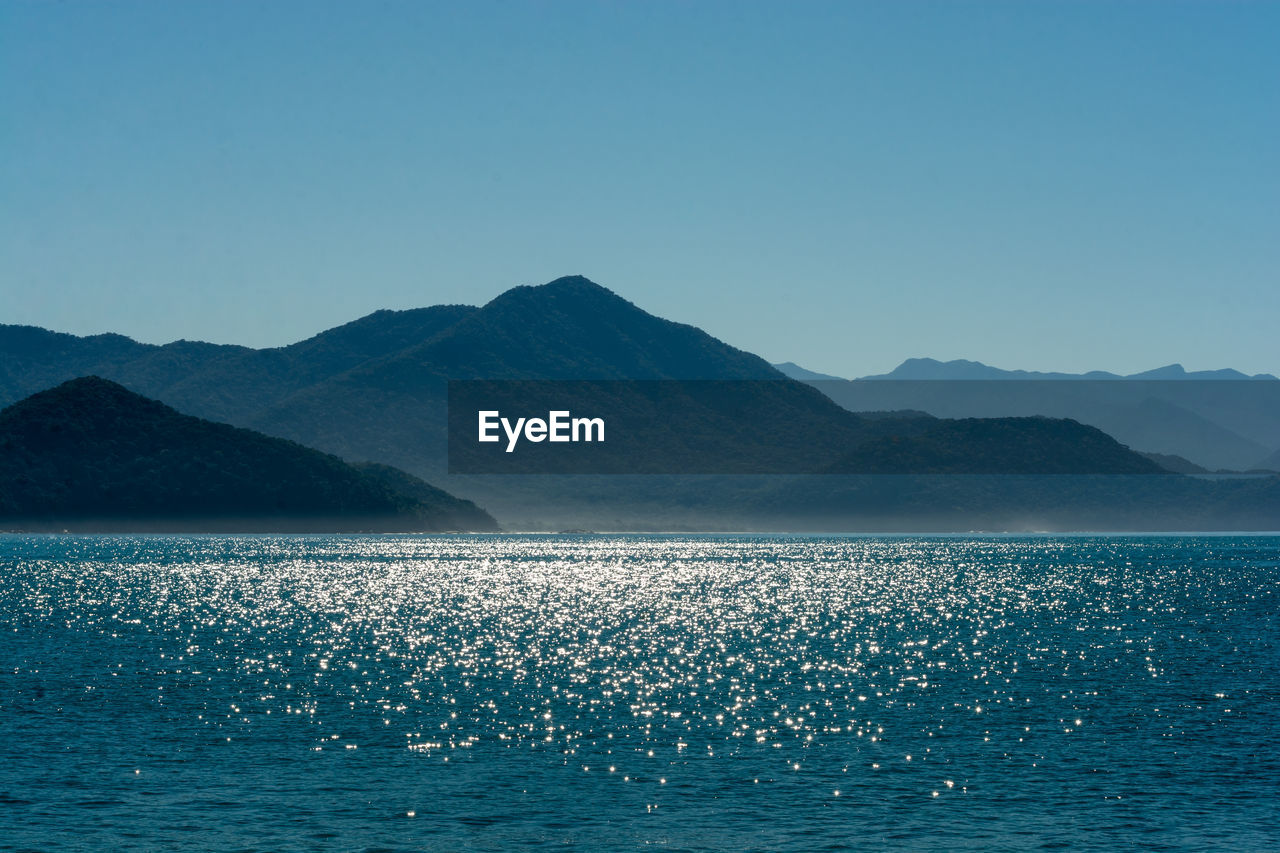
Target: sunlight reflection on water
<point>694,692</point>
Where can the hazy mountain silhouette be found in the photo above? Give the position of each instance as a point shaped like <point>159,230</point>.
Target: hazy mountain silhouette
<point>1216,419</point>
<point>1176,464</point>
<point>90,453</point>
<point>221,381</point>
<point>795,371</point>
<point>929,368</point>
<point>375,389</point>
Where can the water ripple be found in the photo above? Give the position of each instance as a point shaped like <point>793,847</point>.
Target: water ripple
<point>692,692</point>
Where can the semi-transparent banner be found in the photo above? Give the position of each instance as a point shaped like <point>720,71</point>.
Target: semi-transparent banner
<point>862,427</point>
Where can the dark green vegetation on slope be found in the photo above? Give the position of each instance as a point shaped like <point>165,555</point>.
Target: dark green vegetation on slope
<point>90,453</point>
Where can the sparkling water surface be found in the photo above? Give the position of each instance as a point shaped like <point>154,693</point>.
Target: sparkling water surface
<point>624,692</point>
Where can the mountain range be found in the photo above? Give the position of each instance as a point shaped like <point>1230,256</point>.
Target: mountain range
<point>1212,419</point>
<point>930,368</point>
<point>375,390</point>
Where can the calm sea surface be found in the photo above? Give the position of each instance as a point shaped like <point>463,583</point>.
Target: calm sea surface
<point>623,692</point>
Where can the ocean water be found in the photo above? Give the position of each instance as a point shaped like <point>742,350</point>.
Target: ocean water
<point>637,692</point>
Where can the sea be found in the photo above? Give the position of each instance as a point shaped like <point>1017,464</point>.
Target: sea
<point>639,692</point>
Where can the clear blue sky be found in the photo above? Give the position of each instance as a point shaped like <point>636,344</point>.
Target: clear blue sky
<point>1054,186</point>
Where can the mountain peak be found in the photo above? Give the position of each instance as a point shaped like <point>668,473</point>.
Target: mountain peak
<point>575,287</point>
<point>573,282</point>
<point>88,385</point>
<point>931,368</point>
<point>1169,371</point>
<point>91,398</point>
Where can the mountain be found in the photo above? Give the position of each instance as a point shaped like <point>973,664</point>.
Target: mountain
<point>1175,464</point>
<point>1218,420</point>
<point>220,381</point>
<point>572,328</point>
<point>928,368</point>
<point>1010,446</point>
<point>91,454</point>
<point>376,390</point>
<point>1177,372</point>
<point>795,371</point>
<point>392,407</point>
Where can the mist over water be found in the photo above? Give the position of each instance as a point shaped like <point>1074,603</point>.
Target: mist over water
<point>618,692</point>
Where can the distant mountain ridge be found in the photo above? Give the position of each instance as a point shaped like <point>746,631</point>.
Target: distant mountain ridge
<point>1218,419</point>
<point>375,390</point>
<point>929,368</point>
<point>795,371</point>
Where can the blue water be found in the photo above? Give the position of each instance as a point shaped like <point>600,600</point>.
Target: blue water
<point>625,692</point>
